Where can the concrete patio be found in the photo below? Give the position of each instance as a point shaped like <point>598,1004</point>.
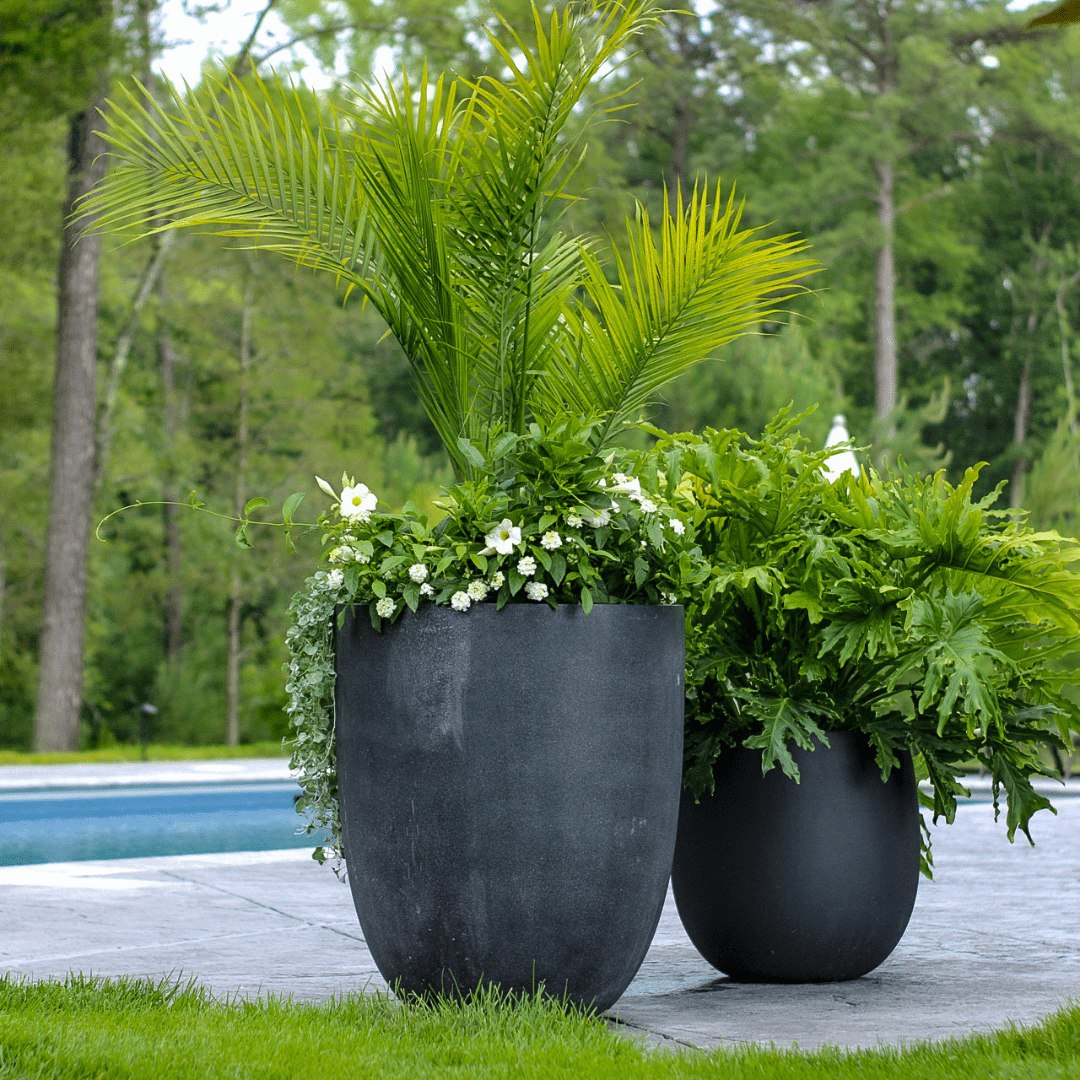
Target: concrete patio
<point>995,938</point>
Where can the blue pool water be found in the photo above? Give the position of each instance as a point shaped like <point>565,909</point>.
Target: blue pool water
<point>125,822</point>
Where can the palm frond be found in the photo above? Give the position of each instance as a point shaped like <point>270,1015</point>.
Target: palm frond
<point>708,282</point>
<point>511,167</point>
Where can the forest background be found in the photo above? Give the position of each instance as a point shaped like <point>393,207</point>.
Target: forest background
<point>930,150</point>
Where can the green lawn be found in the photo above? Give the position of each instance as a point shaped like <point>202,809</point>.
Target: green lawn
<point>154,752</point>
<point>134,1030</point>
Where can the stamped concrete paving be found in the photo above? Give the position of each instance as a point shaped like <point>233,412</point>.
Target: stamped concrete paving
<point>995,938</point>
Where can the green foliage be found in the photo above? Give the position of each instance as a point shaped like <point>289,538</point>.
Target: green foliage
<point>141,1030</point>
<point>548,521</point>
<point>151,752</point>
<point>762,374</point>
<point>1052,491</point>
<point>51,52</point>
<point>899,607</point>
<point>443,214</point>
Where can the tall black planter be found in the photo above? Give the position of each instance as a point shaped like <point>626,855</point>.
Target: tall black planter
<point>811,882</point>
<point>509,790</point>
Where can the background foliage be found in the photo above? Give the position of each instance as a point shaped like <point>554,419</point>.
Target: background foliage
<point>980,123</point>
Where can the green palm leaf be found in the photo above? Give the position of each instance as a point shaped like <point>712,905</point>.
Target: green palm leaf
<point>708,282</point>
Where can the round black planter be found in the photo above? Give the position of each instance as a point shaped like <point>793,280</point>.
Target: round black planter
<point>509,790</point>
<point>811,882</point>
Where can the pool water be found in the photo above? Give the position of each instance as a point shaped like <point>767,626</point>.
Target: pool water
<point>126,822</point>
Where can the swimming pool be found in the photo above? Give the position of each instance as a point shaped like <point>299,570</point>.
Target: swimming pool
<point>119,822</point>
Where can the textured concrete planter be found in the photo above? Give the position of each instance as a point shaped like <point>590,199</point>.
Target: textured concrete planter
<point>811,882</point>
<point>509,788</point>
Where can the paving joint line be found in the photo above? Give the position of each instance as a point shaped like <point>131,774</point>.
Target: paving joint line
<point>259,903</point>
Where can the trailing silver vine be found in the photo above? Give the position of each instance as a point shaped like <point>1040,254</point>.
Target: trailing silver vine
<point>310,686</point>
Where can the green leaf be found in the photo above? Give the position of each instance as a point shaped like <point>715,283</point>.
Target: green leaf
<point>470,453</point>
<point>241,537</point>
<point>799,599</point>
<point>960,665</point>
<point>1023,799</point>
<point>411,595</point>
<point>503,445</point>
<point>783,719</point>
<point>291,503</point>
<point>254,504</point>
<point>479,561</point>
<point>586,599</point>
<point>558,568</point>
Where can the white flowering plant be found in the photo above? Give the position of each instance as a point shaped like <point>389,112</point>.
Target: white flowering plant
<point>549,521</point>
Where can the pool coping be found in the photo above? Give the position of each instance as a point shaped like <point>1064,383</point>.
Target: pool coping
<point>143,773</point>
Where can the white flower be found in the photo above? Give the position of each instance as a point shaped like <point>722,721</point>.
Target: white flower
<point>647,506</point>
<point>385,607</point>
<point>335,579</point>
<point>477,590</point>
<point>676,526</point>
<point>497,579</point>
<point>574,521</point>
<point>426,590</point>
<point>502,538</point>
<point>526,566</point>
<point>348,538</point>
<point>341,554</point>
<point>536,590</point>
<point>361,557</point>
<point>644,544</point>
<point>418,572</point>
<point>358,502</point>
<point>619,478</point>
<point>551,540</point>
<point>668,598</point>
<point>600,518</point>
<point>460,601</point>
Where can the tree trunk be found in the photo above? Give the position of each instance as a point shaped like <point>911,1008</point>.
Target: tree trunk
<point>170,490</point>
<point>71,478</point>
<point>121,352</point>
<point>1020,426</point>
<point>1065,332</point>
<point>233,621</point>
<point>681,122</point>
<point>885,377</point>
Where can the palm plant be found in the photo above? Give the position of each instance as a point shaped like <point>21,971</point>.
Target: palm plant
<point>441,205</point>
